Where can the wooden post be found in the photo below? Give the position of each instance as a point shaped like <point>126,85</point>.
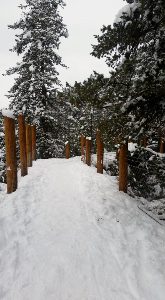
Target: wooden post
<point>141,142</point>
<point>83,142</point>
<point>145,140</point>
<point>82,146</point>
<point>98,140</point>
<point>67,150</point>
<point>98,136</point>
<point>100,154</point>
<point>29,145</point>
<point>88,151</point>
<point>162,145</point>
<point>11,160</point>
<point>33,128</point>
<point>123,168</point>
<point>22,144</point>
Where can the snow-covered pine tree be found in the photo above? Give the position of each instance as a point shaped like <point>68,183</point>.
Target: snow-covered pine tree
<point>134,48</point>
<point>37,42</point>
<point>147,93</point>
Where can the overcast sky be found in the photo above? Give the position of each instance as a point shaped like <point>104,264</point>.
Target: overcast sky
<point>83,18</point>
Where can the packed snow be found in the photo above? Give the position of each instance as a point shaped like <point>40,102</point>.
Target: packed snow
<point>67,233</point>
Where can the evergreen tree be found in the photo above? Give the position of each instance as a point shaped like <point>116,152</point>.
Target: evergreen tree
<point>134,48</point>
<point>40,29</point>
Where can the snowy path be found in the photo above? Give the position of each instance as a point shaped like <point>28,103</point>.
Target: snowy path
<point>67,233</point>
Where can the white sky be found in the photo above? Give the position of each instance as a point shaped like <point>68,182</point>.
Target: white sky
<point>83,18</point>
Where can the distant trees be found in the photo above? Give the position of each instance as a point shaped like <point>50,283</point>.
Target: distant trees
<point>87,107</point>
<point>91,96</point>
<point>34,91</point>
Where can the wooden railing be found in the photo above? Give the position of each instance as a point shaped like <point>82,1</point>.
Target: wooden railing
<point>27,147</point>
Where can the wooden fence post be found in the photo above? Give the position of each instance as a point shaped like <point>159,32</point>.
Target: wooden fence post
<point>11,160</point>
<point>145,141</point>
<point>67,150</point>
<point>162,145</point>
<point>123,167</point>
<point>88,151</point>
<point>141,142</point>
<point>98,140</point>
<point>100,154</point>
<point>29,145</point>
<point>33,128</point>
<point>98,136</point>
<point>83,142</point>
<point>22,144</point>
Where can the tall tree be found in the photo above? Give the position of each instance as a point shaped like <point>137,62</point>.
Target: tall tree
<point>134,48</point>
<point>37,42</point>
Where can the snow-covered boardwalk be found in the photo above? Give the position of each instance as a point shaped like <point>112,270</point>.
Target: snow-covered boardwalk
<point>68,234</point>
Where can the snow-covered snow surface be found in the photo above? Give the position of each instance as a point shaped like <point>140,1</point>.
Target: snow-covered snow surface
<point>67,233</point>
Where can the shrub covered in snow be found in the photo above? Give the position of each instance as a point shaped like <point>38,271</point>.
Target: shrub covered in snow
<point>147,173</point>
<point>112,167</point>
<point>110,163</point>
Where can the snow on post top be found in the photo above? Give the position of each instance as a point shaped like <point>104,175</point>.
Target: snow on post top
<point>88,138</point>
<point>66,143</point>
<point>132,146</point>
<point>8,113</point>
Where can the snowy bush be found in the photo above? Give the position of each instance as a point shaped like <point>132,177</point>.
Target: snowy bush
<point>112,167</point>
<point>147,173</point>
<point>110,163</point>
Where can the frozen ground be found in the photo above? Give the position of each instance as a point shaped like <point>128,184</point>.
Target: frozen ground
<point>68,234</point>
